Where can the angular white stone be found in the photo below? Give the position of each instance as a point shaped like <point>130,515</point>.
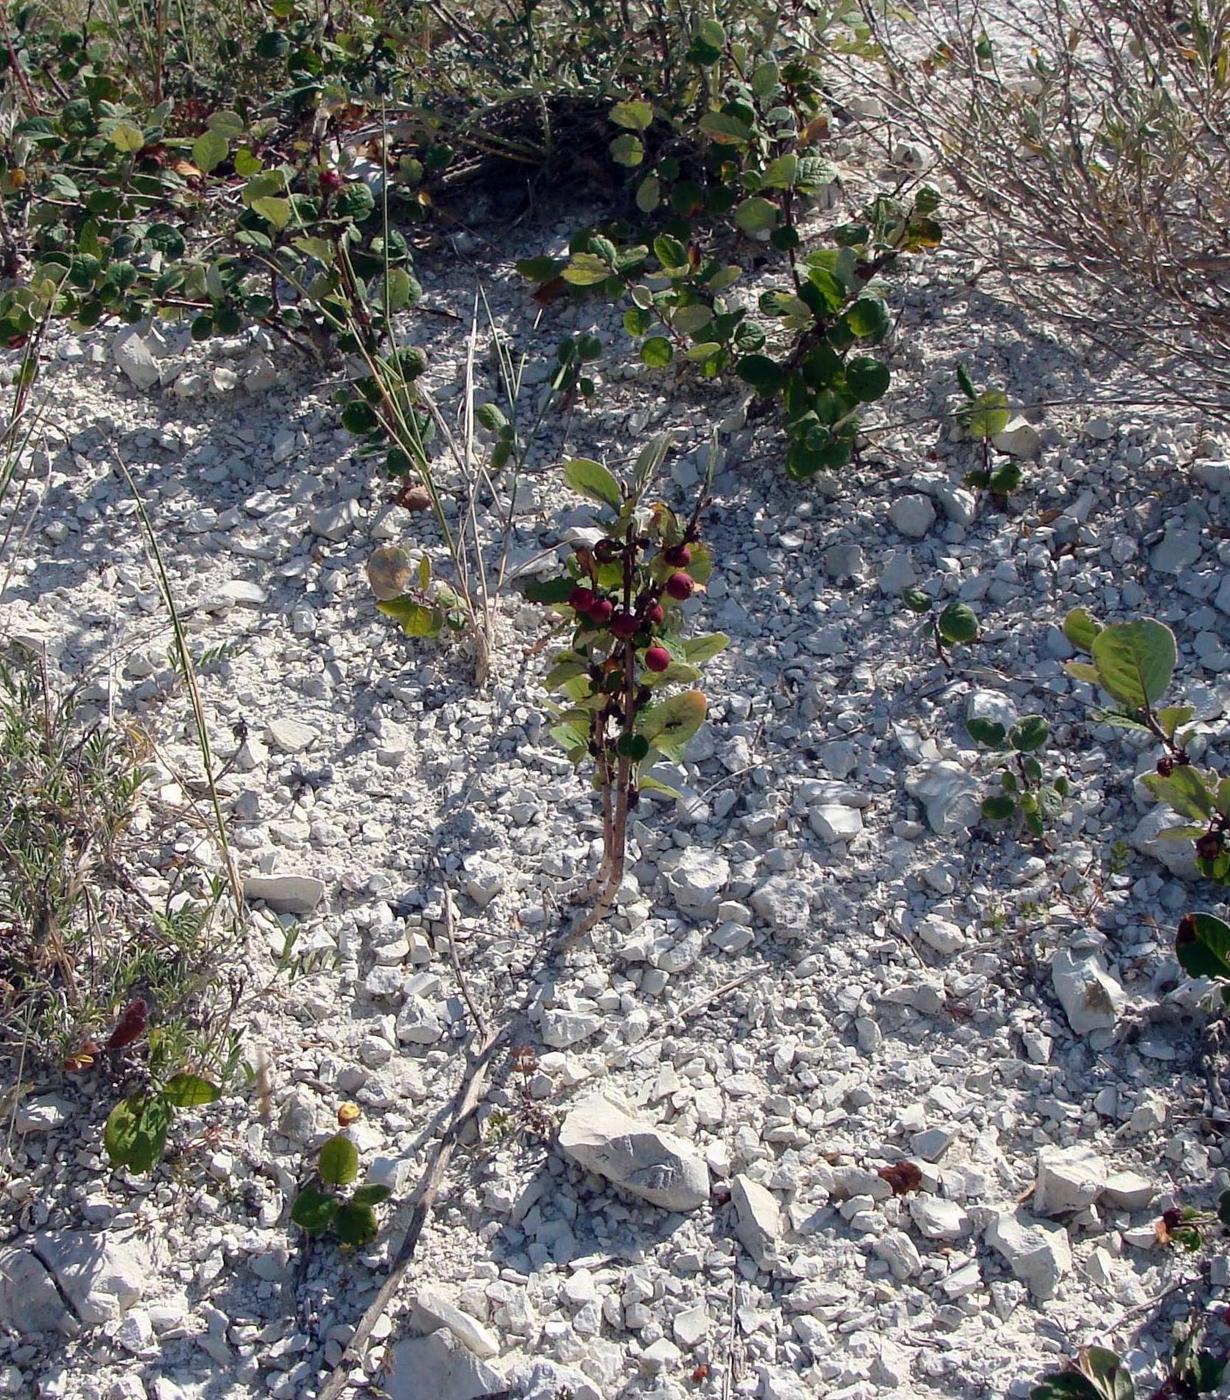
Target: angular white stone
<point>757,1217</point>
<point>912,515</point>
<point>1038,1254</point>
<point>833,822</point>
<point>1069,1179</point>
<point>638,1156</point>
<point>697,879</point>
<point>288,894</point>
<point>1091,998</point>
<point>1019,438</point>
<point>101,1278</point>
<point>432,1310</point>
<point>1129,1190</point>
<point>29,1301</point>
<point>949,794</point>
<point>939,1219</point>
<point>438,1366</point>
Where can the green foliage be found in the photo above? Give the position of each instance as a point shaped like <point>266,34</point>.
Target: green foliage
<point>1025,794</point>
<point>732,157</point>
<point>1133,663</point>
<point>983,415</point>
<point>321,1205</point>
<point>135,1135</point>
<point>1101,1374</point>
<point>618,601</point>
<point>955,624</point>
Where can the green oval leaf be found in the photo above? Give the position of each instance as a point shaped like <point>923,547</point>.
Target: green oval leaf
<point>633,116</point>
<point>592,480</point>
<point>415,619</point>
<point>1029,734</point>
<point>867,378</point>
<point>1202,946</point>
<point>209,149</point>
<point>958,623</point>
<point>190,1091</point>
<point>998,807</point>
<point>1135,661</point>
<point>370,1195</point>
<point>756,215</point>
<point>988,732</point>
<point>338,1164</point>
<point>135,1134</point>
<point>656,352</point>
<point>355,1225</point>
<point>669,725</point>
<point>313,1210</point>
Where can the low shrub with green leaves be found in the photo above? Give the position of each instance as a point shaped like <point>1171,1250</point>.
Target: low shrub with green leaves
<point>726,176</point>
<point>95,979</point>
<point>325,1207</point>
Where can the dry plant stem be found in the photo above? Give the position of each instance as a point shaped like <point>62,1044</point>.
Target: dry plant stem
<point>1103,180</point>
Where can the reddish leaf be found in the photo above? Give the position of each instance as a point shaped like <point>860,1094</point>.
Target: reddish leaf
<point>902,1177</point>
<point>131,1025</point>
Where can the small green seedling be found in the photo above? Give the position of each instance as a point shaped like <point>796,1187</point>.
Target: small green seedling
<point>956,624</point>
<point>1026,795</point>
<point>322,1205</point>
<point>1134,663</point>
<point>983,415</point>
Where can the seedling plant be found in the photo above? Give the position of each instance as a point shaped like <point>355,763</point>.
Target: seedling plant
<point>619,600</point>
<point>955,624</point>
<point>324,1206</point>
<point>984,414</point>
<point>1027,797</point>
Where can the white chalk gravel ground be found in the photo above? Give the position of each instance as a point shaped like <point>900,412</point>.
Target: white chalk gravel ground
<point>899,984</point>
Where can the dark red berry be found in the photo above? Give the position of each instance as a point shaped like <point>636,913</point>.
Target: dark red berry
<point>605,551</point>
<point>130,1026</point>
<point>1209,846</point>
<point>1172,1218</point>
<point>330,181</point>
<point>582,599</point>
<point>657,658</point>
<point>1165,765</point>
<point>654,614</point>
<point>1187,930</point>
<point>599,611</point>
<point>678,556</point>
<point>624,625</point>
<point>680,586</point>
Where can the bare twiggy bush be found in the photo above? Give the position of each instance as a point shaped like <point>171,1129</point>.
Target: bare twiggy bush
<point>1094,136</point>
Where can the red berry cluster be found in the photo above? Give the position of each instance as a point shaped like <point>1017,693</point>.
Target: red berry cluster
<point>637,620</point>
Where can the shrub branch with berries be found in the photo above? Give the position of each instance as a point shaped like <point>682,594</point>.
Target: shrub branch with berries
<point>620,600</point>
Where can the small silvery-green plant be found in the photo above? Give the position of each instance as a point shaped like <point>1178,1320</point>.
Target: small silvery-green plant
<point>1026,796</point>
<point>618,601</point>
<point>323,1205</point>
<point>955,624</point>
<point>984,414</point>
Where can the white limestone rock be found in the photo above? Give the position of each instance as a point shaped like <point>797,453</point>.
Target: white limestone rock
<point>634,1154</point>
